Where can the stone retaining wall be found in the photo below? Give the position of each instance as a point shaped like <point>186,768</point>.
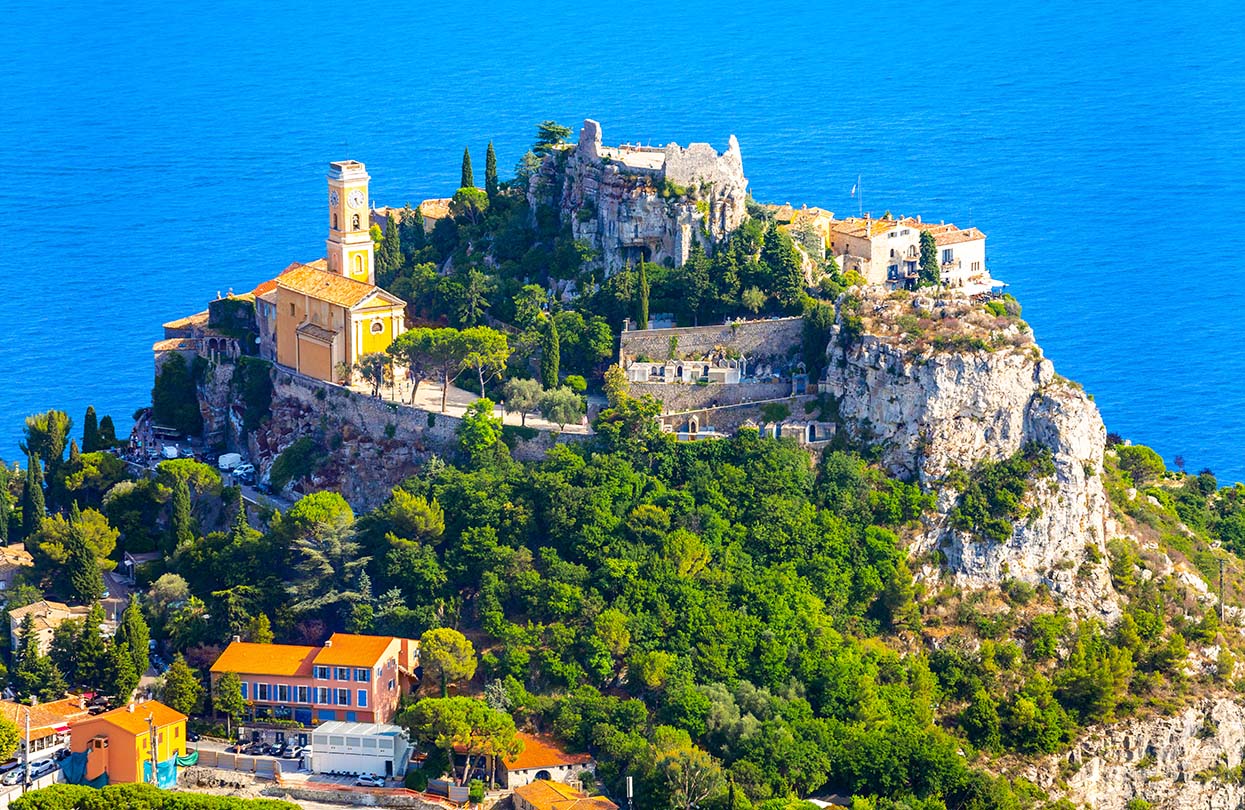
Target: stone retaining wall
<point>676,397</point>
<point>730,418</point>
<point>774,339</point>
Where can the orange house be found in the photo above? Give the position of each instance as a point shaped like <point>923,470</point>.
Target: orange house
<point>119,742</point>
<point>354,678</point>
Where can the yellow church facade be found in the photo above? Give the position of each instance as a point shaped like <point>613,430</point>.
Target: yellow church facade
<point>327,314</point>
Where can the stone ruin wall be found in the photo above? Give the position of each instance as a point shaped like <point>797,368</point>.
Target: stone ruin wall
<point>618,209</point>
<point>776,338</point>
<point>679,397</point>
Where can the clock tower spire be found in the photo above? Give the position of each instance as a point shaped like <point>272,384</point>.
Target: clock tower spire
<point>350,239</point>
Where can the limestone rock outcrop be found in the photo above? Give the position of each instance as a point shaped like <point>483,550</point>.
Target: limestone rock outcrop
<point>934,409</point>
<point>1184,762</point>
<point>632,203</point>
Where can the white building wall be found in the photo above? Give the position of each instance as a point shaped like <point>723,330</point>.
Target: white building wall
<point>964,255</point>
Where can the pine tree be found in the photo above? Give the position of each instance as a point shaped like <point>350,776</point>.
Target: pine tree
<point>34,509</point>
<point>64,649</point>
<point>90,431</point>
<point>468,179</point>
<point>641,314</point>
<point>181,531</point>
<point>782,260</point>
<point>550,355</point>
<point>107,433</point>
<point>227,698</point>
<point>135,635</point>
<point>34,674</point>
<point>411,233</point>
<point>490,171</point>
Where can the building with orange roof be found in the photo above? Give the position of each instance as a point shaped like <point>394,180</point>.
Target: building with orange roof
<point>47,615</point>
<point>354,678</point>
<point>120,743</point>
<point>961,255</point>
<point>544,794</point>
<point>541,758</point>
<point>884,251</point>
<point>49,722</point>
<point>433,211</point>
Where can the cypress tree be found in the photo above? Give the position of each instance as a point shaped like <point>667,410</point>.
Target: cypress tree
<point>92,657</point>
<point>85,580</point>
<point>34,509</point>
<point>6,506</point>
<point>490,171</point>
<point>468,179</point>
<point>90,431</point>
<point>107,433</point>
<point>120,679</point>
<point>641,315</point>
<point>930,273</point>
<point>389,256</point>
<point>550,355</point>
<point>134,634</point>
<point>180,530</point>
<point>411,233</point>
<point>75,455</point>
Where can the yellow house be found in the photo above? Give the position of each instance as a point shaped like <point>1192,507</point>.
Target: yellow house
<point>325,319</point>
<point>119,742</point>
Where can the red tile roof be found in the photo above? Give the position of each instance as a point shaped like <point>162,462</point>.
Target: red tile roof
<point>133,717</point>
<point>542,752</point>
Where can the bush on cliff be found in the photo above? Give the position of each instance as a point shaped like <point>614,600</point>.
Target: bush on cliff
<point>296,462</point>
<point>992,497</point>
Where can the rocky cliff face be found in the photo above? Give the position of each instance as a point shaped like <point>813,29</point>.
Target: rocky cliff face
<point>1191,760</point>
<point>941,385</point>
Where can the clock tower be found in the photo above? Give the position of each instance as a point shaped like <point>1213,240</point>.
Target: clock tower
<point>350,239</point>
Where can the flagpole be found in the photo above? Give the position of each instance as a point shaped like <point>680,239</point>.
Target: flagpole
<point>861,195</point>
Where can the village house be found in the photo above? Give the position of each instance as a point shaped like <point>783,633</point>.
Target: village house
<point>546,795</point>
<point>961,255</point>
<point>358,679</point>
<point>14,559</point>
<point>119,743</point>
<point>883,251</point>
<point>541,758</point>
<point>47,616</point>
<point>49,722</point>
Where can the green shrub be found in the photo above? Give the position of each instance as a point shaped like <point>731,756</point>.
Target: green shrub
<point>252,380</point>
<point>416,779</point>
<point>297,461</point>
<point>992,500</point>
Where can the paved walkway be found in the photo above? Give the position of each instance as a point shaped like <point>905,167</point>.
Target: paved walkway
<point>428,398</point>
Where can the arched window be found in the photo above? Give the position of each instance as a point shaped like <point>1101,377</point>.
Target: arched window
<point>358,265</point>
<point>378,326</point>
<point>334,221</point>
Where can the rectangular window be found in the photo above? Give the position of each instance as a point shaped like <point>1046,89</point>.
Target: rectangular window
<point>362,704</point>
<point>343,673</point>
<point>362,675</point>
<point>261,691</point>
<point>946,256</point>
<point>976,266</point>
<point>302,695</point>
<point>343,697</point>
<point>245,695</point>
<point>322,673</point>
<point>283,693</point>
<point>391,683</point>
<point>324,697</point>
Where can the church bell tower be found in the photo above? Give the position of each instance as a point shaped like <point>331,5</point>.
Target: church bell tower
<point>350,240</point>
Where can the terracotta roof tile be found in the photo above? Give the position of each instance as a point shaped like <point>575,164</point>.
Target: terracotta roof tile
<point>348,650</point>
<point>45,718</point>
<point>135,722</point>
<point>266,659</point>
<point>325,286</point>
<point>198,319</point>
<point>542,752</point>
<point>545,794</point>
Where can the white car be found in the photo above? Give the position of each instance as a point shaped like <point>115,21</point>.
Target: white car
<point>43,767</point>
<point>13,777</point>
<point>368,780</point>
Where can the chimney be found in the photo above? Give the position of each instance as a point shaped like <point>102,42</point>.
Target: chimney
<point>918,219</point>
<point>328,642</point>
<point>131,708</point>
<point>237,638</point>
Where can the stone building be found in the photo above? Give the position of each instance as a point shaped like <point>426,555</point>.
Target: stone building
<point>633,203</point>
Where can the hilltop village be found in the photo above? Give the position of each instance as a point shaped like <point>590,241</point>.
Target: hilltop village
<point>629,236</point>
<point>607,485</point>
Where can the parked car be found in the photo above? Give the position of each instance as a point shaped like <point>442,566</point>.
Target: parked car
<point>13,777</point>
<point>369,780</point>
<point>10,765</point>
<point>192,736</point>
<point>43,767</point>
<point>292,752</point>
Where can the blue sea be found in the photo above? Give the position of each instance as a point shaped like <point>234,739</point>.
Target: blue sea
<point>156,153</point>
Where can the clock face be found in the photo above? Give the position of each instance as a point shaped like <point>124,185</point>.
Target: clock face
<point>355,199</point>
<point>333,198</point>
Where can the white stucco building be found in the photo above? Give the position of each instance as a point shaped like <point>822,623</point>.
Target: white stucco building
<point>374,748</point>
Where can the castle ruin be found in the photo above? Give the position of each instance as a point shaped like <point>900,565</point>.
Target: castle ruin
<point>643,203</point>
